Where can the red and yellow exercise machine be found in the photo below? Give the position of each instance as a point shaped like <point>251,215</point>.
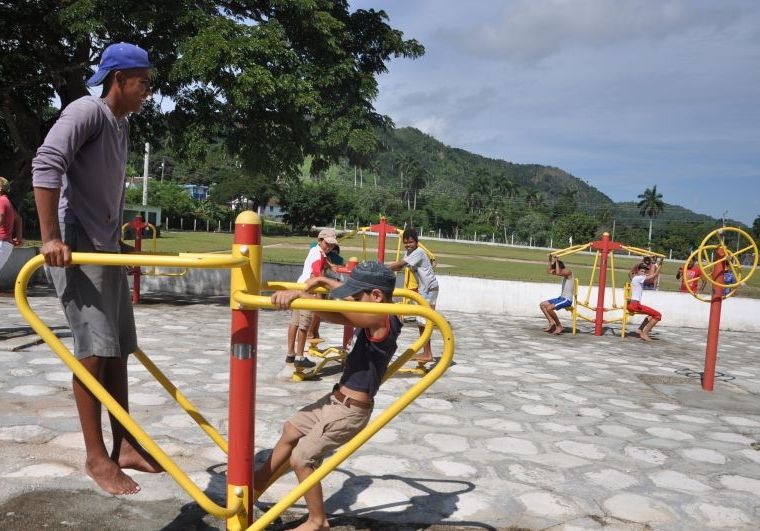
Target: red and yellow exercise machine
<point>137,228</point>
<point>605,254</point>
<point>716,260</point>
<point>246,285</point>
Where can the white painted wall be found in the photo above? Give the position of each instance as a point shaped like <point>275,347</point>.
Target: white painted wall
<point>473,295</point>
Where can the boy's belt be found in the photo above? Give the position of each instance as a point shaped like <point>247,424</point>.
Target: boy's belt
<point>348,401</point>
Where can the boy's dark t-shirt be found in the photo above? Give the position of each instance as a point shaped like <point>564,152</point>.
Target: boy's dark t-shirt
<point>368,360</point>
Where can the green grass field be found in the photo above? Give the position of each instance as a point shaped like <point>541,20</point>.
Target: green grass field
<point>461,259</point>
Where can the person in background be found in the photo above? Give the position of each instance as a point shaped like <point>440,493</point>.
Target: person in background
<point>313,266</point>
<point>10,224</point>
<point>691,277</point>
<point>565,299</point>
<point>417,260</point>
<point>635,306</point>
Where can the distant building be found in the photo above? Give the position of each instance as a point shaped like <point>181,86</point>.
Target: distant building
<point>272,210</point>
<point>198,192</point>
<point>151,214</point>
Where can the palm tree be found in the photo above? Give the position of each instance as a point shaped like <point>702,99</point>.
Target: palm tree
<point>650,205</point>
<point>534,198</point>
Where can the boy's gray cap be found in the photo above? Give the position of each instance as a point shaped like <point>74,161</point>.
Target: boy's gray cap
<point>365,277</point>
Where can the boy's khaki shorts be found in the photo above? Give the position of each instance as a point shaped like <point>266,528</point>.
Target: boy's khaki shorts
<point>326,424</point>
<point>301,319</point>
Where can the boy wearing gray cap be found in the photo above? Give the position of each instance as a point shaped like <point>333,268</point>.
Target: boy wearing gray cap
<point>334,419</point>
<point>79,186</point>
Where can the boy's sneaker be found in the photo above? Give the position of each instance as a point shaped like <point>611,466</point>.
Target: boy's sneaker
<point>304,362</point>
<point>290,359</point>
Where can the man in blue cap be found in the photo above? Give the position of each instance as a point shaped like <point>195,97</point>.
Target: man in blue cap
<point>79,186</point>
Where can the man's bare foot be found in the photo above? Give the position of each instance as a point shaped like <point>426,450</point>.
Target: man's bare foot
<point>129,457</point>
<point>644,337</point>
<point>558,330</point>
<point>110,477</point>
<point>550,329</point>
<point>310,525</point>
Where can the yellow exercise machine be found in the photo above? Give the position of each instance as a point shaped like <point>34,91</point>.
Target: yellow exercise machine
<point>244,262</point>
<point>726,270</point>
<point>137,226</point>
<point>605,251</point>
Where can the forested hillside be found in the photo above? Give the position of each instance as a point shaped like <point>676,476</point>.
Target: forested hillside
<point>413,179</point>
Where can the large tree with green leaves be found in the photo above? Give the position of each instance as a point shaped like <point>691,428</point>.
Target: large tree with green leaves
<point>650,204</point>
<point>276,80</point>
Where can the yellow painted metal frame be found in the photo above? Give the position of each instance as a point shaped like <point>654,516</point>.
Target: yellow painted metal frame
<point>247,301</point>
<point>404,294</point>
<point>626,314</point>
<point>241,264</point>
<point>585,303</point>
<point>730,258</point>
<point>94,386</point>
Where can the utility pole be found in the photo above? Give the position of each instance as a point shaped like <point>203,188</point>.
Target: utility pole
<point>163,163</point>
<point>145,175</point>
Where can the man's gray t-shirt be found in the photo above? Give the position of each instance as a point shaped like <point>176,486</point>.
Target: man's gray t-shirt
<point>85,155</point>
<point>420,264</point>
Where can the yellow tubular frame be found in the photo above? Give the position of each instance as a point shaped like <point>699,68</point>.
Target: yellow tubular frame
<point>262,302</point>
<point>626,314</point>
<point>249,301</point>
<point>91,383</point>
<point>730,259</point>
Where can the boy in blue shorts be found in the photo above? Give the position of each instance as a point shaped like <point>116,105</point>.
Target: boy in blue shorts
<point>565,300</point>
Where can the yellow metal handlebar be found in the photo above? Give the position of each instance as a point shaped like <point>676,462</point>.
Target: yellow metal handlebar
<point>91,383</point>
<point>259,301</point>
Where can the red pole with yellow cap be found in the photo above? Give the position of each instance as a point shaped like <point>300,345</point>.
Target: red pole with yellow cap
<point>605,246</point>
<point>713,327</point>
<point>242,394</point>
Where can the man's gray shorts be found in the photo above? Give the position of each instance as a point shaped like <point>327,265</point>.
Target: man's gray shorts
<point>96,302</point>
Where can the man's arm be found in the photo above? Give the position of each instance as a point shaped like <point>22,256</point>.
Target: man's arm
<point>56,252</point>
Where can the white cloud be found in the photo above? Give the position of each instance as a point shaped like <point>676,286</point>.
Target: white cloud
<point>528,30</point>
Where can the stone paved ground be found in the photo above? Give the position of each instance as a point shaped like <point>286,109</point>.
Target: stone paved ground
<point>526,430</point>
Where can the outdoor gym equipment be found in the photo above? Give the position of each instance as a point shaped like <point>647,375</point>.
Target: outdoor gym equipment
<point>715,258</point>
<point>244,263</point>
<point>605,252</point>
<point>138,226</point>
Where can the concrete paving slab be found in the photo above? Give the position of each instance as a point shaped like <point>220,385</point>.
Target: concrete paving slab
<point>524,431</point>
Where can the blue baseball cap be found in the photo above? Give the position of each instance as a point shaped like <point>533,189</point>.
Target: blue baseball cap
<point>119,56</point>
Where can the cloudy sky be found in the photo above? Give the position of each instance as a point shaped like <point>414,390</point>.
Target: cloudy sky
<point>623,94</point>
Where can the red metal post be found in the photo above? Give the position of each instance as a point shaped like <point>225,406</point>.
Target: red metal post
<point>381,241</point>
<point>713,327</point>
<point>604,246</point>
<point>599,321</point>
<point>137,225</point>
<point>242,400</point>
